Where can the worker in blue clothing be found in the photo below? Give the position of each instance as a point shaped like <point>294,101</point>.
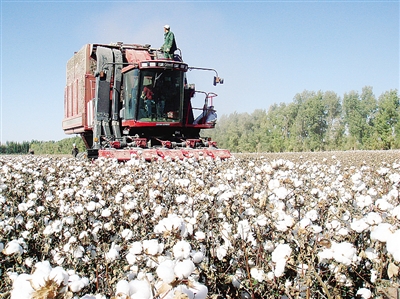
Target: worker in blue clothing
<point>169,45</point>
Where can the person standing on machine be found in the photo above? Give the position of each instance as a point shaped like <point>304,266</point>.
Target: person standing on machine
<point>169,46</point>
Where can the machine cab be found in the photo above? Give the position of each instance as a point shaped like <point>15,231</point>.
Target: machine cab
<point>153,93</point>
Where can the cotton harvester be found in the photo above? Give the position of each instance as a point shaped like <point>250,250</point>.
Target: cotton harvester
<point>127,100</point>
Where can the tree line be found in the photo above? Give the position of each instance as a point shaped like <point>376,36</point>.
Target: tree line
<point>315,121</point>
<point>62,147</point>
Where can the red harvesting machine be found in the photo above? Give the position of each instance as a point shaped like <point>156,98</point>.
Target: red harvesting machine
<point>127,100</point>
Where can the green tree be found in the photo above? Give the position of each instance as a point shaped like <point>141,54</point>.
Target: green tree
<point>311,124</point>
<point>387,119</point>
<point>358,114</point>
<point>335,125</point>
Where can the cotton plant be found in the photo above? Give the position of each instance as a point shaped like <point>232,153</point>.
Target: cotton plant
<point>197,227</point>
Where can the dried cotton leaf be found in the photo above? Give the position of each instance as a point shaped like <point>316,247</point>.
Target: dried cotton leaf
<point>393,270</point>
<point>165,288</point>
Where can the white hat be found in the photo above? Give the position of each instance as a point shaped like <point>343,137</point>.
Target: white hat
<point>166,27</point>
<point>74,145</point>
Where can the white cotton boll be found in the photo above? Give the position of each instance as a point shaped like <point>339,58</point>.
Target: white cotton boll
<point>325,254</point>
<point>127,234</point>
<point>197,257</point>
<point>112,255</point>
<point>106,213</point>
<point>152,247</point>
<point>364,293</point>
<point>344,252</point>
<point>374,275</point>
<point>383,205</point>
<point>131,258</point>
<point>372,192</point>
<point>371,254</point>
<point>199,290</point>
<point>356,178</point>
<point>140,289</point>
<point>244,229</point>
<point>334,224</point>
<point>359,225</point>
<point>78,252</point>
<point>312,215</point>
<point>78,209</point>
<point>281,252</point>
<point>67,247</point>
<point>165,271</point>
<point>199,236</point>
<point>28,262</point>
<point>122,288</point>
<point>281,192</point>
<point>181,198</point>
<point>19,219</point>
<point>262,220</point>
<point>285,222</point>
<point>393,245</point>
<point>22,287</point>
<point>58,258</point>
<point>273,184</point>
<point>280,268</point>
<point>83,235</point>
<point>382,232</point>
<point>394,178</point>
<point>13,247</point>
<point>181,250</point>
<point>363,201</point>
<point>91,206</point>
<point>184,268</point>
<point>396,212</point>
<point>304,222</point>
<point>373,218</point>
<point>237,278</point>
<point>59,275</point>
<point>269,246</point>
<point>393,194</point>
<point>270,276</point>
<point>316,229</point>
<point>136,247</point>
<point>257,274</point>
<point>221,251</point>
<point>77,285</point>
<point>41,273</point>
<point>343,231</point>
<point>29,225</point>
<point>69,220</point>
<point>22,207</point>
<point>150,263</point>
<point>119,197</point>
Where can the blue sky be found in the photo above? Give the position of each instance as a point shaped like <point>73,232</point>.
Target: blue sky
<point>266,51</point>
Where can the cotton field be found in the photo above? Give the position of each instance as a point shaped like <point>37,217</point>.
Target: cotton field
<point>316,225</point>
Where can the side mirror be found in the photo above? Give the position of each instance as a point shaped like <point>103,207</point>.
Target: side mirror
<point>218,80</point>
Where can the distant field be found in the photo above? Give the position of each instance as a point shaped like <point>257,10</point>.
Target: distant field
<point>347,158</point>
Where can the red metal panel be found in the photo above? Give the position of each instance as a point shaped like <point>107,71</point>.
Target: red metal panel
<point>75,97</point>
<point>135,56</point>
<point>70,99</point>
